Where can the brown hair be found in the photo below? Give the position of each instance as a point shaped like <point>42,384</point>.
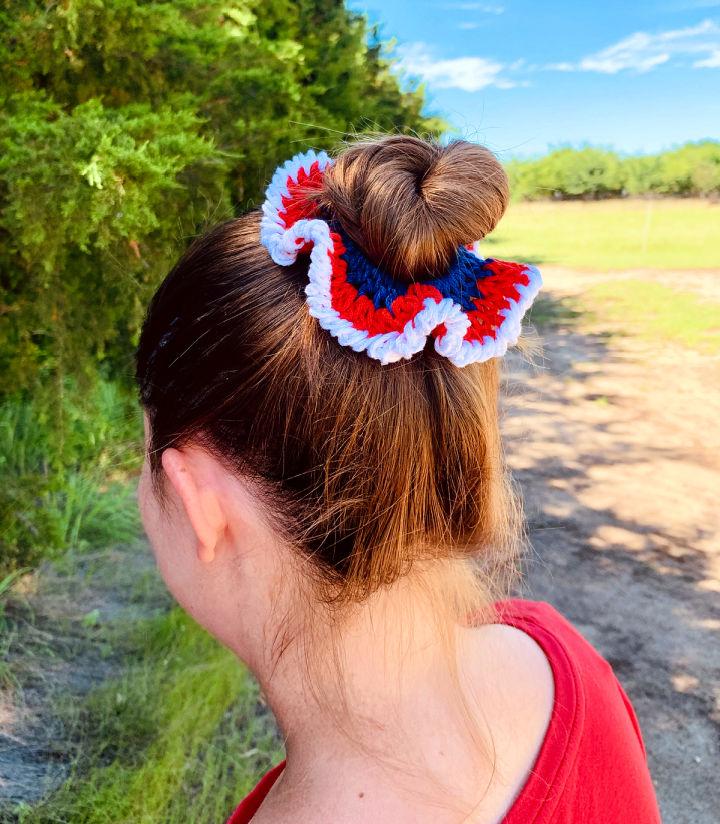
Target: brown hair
<point>410,203</point>
<point>367,470</point>
<point>369,467</point>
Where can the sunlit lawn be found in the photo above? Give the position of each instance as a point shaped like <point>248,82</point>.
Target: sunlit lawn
<point>655,312</point>
<point>610,234</point>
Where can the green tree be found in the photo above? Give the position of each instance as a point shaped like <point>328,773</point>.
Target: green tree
<point>690,170</point>
<point>693,169</point>
<point>128,125</point>
<point>567,172</point>
<point>125,128</point>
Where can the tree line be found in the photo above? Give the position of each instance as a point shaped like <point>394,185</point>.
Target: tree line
<point>692,170</point>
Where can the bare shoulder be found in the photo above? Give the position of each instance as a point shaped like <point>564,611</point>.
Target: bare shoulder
<point>514,685</point>
<point>517,651</point>
<point>511,663</point>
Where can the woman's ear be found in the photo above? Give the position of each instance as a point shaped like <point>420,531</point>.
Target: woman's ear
<point>200,499</point>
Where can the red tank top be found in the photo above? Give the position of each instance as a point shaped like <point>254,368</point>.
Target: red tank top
<point>591,768</point>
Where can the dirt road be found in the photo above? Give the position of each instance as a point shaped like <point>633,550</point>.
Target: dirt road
<point>617,446</point>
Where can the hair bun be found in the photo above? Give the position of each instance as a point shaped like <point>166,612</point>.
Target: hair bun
<point>409,203</point>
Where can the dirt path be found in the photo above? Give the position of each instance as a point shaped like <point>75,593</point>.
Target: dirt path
<point>617,446</point>
<point>62,645</point>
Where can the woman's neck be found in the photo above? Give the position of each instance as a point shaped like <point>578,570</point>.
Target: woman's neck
<point>374,696</point>
<point>377,725</point>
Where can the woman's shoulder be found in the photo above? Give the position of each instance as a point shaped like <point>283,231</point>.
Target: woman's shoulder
<point>580,671</point>
<point>561,640</point>
<point>592,765</point>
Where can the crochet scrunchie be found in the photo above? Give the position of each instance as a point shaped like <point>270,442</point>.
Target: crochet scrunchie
<point>473,312</point>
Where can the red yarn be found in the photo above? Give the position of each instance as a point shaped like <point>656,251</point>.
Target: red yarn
<point>360,311</point>
<point>497,290</point>
<point>485,320</point>
<point>297,205</point>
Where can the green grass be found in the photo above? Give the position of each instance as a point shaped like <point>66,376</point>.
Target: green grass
<point>173,730</point>
<point>610,234</point>
<point>655,312</point>
<point>178,738</point>
<point>72,486</point>
<point>638,308</point>
<point>7,676</point>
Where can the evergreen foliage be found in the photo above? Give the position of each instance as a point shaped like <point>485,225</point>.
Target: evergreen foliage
<point>126,127</point>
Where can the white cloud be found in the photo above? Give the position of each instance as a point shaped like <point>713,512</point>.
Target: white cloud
<point>468,26</point>
<point>633,52</point>
<point>467,73</point>
<point>642,52</point>
<point>711,62</point>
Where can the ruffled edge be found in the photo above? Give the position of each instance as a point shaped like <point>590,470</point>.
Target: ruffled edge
<point>284,243</point>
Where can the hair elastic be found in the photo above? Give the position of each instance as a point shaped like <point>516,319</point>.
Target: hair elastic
<point>473,312</point>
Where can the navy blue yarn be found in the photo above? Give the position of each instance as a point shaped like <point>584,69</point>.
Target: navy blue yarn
<point>459,283</point>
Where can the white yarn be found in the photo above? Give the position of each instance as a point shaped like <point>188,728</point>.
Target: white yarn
<point>284,244</point>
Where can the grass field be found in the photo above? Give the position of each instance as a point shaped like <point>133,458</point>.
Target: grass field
<point>636,308</point>
<point>610,234</point>
<point>654,312</point>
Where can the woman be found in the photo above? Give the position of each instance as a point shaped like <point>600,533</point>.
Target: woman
<point>325,492</point>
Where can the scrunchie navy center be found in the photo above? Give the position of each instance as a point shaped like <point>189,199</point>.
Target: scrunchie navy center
<point>459,283</point>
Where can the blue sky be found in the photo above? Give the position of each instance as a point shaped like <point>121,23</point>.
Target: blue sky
<point>524,76</point>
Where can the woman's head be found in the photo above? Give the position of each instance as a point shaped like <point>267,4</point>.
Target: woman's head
<point>360,469</point>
